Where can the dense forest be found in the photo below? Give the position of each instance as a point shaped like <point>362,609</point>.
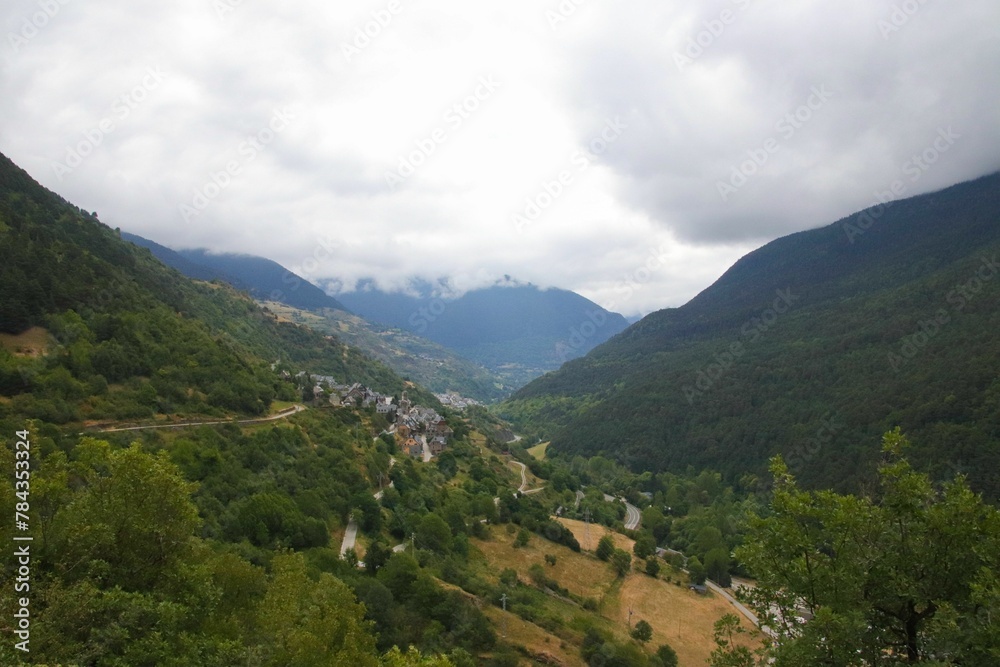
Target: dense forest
<point>811,347</point>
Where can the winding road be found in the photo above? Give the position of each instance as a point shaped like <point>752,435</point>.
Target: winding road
<point>284,414</point>
<point>632,514</point>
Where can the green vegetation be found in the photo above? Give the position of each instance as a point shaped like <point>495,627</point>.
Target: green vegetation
<point>809,347</point>
<point>905,574</point>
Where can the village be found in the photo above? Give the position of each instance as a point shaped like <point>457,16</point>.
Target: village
<point>420,431</point>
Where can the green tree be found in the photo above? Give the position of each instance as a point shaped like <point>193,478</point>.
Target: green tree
<point>728,652</point>
<point>306,622</point>
<point>652,567</point>
<point>696,571</point>
<point>642,631</point>
<point>717,566</point>
<point>523,536</point>
<point>605,547</point>
<point>621,560</point>
<point>887,577</point>
<point>433,533</point>
<point>645,546</point>
<point>665,656</point>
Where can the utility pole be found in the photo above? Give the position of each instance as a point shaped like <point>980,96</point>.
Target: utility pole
<point>586,516</point>
<point>503,599</point>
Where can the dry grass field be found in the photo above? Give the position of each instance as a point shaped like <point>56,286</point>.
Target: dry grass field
<point>680,617</point>
<point>32,343</point>
<point>578,573</point>
<point>538,451</point>
<point>596,531</point>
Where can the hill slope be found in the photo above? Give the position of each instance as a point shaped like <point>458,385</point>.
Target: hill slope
<point>425,362</point>
<point>517,331</point>
<point>809,347</point>
<point>261,277</point>
<point>130,337</point>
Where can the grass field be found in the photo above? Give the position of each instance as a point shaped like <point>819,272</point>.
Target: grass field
<point>538,642</point>
<point>679,617</point>
<point>578,573</point>
<point>538,451</point>
<point>596,531</point>
<point>32,343</point>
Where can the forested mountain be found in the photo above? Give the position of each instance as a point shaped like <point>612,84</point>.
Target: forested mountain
<point>123,336</point>
<point>429,364</point>
<point>262,278</point>
<point>518,331</point>
<point>810,346</point>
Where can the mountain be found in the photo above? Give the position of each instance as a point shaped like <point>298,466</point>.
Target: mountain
<point>517,331</point>
<point>809,347</point>
<point>262,278</point>
<point>97,328</point>
<point>431,365</point>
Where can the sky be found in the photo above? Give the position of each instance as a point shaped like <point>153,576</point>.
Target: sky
<point>630,152</point>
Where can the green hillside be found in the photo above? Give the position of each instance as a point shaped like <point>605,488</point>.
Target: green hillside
<point>130,338</point>
<point>426,363</point>
<point>810,346</point>
<point>516,331</point>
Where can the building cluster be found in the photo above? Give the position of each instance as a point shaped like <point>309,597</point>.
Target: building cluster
<point>455,401</point>
<point>417,428</point>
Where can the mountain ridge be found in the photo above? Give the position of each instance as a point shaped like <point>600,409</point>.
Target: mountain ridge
<point>728,379</point>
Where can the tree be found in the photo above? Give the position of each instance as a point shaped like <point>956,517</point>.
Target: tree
<point>696,571</point>
<point>717,567</point>
<point>642,631</point>
<point>523,536</point>
<point>605,547</point>
<point>645,546</point>
<point>550,559</point>
<point>622,562</point>
<point>728,653</point>
<point>376,556</point>
<point>665,657</point>
<point>893,576</point>
<point>652,567</point>
<point>433,533</point>
<point>306,622</point>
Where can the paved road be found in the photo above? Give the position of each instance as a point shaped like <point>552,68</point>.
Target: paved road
<point>350,536</point>
<point>427,450</point>
<point>632,515</point>
<point>733,601</point>
<point>524,476</point>
<point>579,496</point>
<point>260,420</point>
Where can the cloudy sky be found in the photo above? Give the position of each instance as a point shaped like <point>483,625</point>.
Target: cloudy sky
<point>627,151</point>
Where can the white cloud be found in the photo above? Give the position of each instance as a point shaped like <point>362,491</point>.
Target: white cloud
<point>315,194</point>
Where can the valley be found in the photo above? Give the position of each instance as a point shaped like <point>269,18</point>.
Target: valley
<point>221,478</point>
